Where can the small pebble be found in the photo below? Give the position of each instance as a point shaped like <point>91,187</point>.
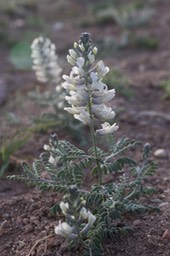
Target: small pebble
<point>28,228</point>
<point>136,222</point>
<point>160,153</point>
<point>166,234</point>
<point>52,242</point>
<point>25,221</point>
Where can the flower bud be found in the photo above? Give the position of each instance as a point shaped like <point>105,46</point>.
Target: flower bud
<point>63,229</point>
<point>64,207</point>
<point>75,45</point>
<point>95,50</point>
<point>82,47</point>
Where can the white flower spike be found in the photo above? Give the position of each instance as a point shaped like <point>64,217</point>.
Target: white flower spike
<point>45,61</point>
<point>87,93</point>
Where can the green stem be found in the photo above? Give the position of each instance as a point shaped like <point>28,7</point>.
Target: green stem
<point>92,129</point>
<point>77,224</point>
<point>94,143</point>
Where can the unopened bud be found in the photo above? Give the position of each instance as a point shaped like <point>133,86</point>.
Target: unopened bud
<point>95,50</point>
<point>85,38</point>
<point>75,45</point>
<point>82,47</point>
<point>146,150</point>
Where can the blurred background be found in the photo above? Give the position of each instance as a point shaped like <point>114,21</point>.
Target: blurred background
<point>132,37</point>
<point>114,25</point>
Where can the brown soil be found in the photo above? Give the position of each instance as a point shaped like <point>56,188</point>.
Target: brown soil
<point>27,226</point>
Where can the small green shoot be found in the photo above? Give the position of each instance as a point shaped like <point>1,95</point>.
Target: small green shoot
<point>8,147</point>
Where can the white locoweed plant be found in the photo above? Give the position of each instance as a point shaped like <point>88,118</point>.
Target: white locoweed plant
<point>48,71</point>
<point>45,61</point>
<point>91,215</point>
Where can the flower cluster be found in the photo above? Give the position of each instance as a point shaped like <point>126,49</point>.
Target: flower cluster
<point>78,219</point>
<point>47,70</point>
<point>88,95</point>
<point>45,61</point>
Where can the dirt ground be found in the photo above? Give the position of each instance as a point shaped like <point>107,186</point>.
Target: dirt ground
<point>27,225</point>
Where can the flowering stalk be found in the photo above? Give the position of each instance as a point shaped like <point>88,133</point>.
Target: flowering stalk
<point>45,61</point>
<point>47,70</point>
<point>88,94</point>
<point>78,219</point>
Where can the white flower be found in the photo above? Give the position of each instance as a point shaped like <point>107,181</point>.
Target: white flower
<point>68,86</point>
<point>75,45</point>
<point>81,47</point>
<point>64,207</point>
<point>70,79</point>
<point>94,77</point>
<point>103,112</point>
<point>73,54</point>
<point>78,98</point>
<point>77,72</point>
<point>102,70</point>
<point>84,117</point>
<point>95,50</point>
<point>53,160</point>
<point>80,62</point>
<point>84,213</point>
<point>64,229</point>
<point>70,60</point>
<point>91,57</point>
<point>107,129</point>
<point>103,97</point>
<point>74,110</point>
<point>91,220</point>
<point>99,87</point>
<point>73,79</point>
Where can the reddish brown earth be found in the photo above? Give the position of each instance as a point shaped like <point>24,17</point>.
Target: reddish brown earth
<point>27,226</point>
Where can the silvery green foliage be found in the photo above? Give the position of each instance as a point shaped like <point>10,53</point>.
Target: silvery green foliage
<point>62,169</point>
<point>88,95</point>
<point>45,61</point>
